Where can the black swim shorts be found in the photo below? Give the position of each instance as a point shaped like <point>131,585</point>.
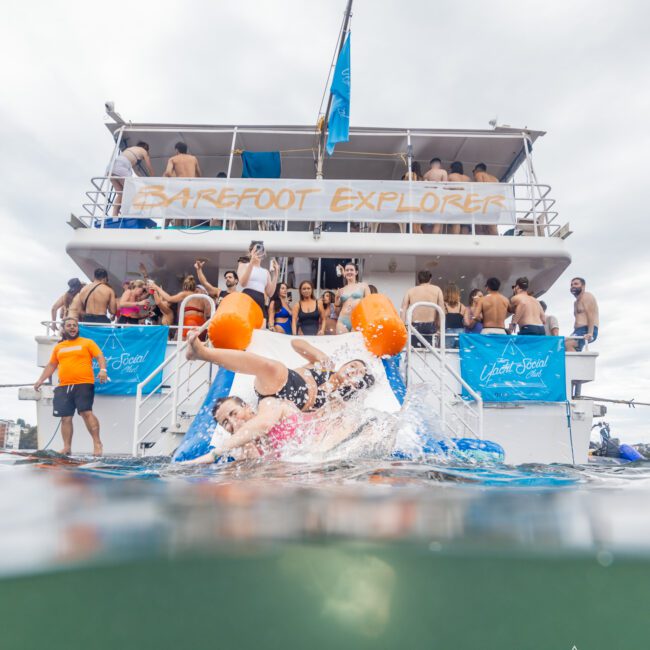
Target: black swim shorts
<point>77,397</point>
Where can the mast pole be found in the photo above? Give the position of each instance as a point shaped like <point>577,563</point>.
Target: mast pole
<point>323,132</point>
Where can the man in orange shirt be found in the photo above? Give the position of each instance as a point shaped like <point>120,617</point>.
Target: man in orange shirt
<point>73,357</point>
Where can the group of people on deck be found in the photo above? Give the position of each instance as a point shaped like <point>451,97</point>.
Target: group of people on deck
<point>456,174</point>
<point>487,312</point>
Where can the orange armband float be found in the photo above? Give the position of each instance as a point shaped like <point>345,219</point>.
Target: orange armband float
<point>233,323</point>
<point>383,331</point>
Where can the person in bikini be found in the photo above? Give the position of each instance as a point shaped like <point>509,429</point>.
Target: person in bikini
<point>132,303</point>
<point>197,311</point>
<point>280,311</point>
<point>308,387</point>
<point>275,423</point>
<point>94,300</point>
<point>349,296</point>
<point>491,310</point>
<point>131,159</point>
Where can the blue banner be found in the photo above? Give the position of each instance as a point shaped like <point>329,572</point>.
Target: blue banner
<point>132,353</point>
<point>514,368</point>
<point>338,125</point>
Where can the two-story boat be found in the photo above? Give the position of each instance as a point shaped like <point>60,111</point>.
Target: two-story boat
<point>361,210</point>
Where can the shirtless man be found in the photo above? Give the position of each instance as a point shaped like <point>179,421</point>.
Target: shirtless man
<point>94,300</point>
<point>492,309</point>
<point>182,165</point>
<point>425,319</point>
<point>585,311</point>
<point>457,175</point>
<point>436,173</point>
<point>528,313</point>
<point>124,165</point>
<point>230,277</point>
<point>481,176</point>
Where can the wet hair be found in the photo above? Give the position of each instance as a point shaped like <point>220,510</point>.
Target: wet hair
<point>457,168</point>
<point>189,283</point>
<point>543,304</point>
<point>522,283</point>
<point>472,293</point>
<point>144,145</point>
<point>101,274</point>
<point>368,380</point>
<point>302,284</point>
<point>582,281</point>
<point>435,160</point>
<point>493,284</point>
<point>181,147</point>
<point>222,400</point>
<point>424,276</point>
<point>276,301</point>
<point>480,167</point>
<point>222,175</point>
<point>452,294</point>
<point>234,273</point>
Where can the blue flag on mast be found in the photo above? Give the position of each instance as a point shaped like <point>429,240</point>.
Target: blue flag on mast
<point>338,125</point>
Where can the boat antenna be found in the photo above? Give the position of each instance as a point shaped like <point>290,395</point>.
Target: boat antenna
<point>324,118</point>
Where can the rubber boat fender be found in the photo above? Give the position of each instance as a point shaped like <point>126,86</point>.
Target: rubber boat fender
<point>383,331</point>
<point>233,323</point>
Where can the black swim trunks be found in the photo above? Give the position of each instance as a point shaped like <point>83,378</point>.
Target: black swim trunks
<point>67,399</point>
<point>96,318</point>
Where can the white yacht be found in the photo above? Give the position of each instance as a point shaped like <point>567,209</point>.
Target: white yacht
<point>324,227</point>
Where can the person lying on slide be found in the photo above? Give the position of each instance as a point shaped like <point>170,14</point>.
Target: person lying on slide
<point>308,388</point>
<point>276,422</point>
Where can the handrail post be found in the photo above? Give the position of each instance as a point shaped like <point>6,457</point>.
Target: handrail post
<point>442,343</point>
<point>179,340</point>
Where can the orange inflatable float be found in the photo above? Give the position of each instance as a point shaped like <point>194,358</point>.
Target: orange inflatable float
<point>377,319</point>
<point>233,323</point>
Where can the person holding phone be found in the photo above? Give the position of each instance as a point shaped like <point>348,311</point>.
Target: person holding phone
<point>256,281</point>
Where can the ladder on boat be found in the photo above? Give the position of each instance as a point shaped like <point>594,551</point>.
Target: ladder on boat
<point>459,417</point>
<point>164,411</point>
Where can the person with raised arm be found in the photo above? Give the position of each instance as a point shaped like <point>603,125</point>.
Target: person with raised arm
<point>231,278</point>
<point>256,281</point>
<point>308,387</point>
<point>197,310</point>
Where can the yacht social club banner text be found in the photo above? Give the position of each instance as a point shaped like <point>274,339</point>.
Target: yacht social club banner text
<point>325,200</point>
<point>514,368</point>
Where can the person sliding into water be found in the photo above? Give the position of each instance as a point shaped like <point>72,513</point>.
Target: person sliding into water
<point>308,387</point>
<point>275,423</point>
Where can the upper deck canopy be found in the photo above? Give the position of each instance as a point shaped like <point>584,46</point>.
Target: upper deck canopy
<point>372,153</point>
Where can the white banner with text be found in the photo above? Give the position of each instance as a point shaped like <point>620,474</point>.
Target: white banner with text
<point>325,200</point>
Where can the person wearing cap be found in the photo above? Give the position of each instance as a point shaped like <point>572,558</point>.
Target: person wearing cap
<point>73,358</point>
<point>528,313</point>
<point>61,308</point>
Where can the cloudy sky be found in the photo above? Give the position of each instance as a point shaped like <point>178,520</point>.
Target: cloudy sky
<point>578,70</point>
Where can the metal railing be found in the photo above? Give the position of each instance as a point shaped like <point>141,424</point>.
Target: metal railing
<point>458,416</point>
<point>534,214</point>
<point>142,425</point>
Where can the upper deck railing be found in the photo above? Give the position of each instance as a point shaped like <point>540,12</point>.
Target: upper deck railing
<point>362,206</point>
